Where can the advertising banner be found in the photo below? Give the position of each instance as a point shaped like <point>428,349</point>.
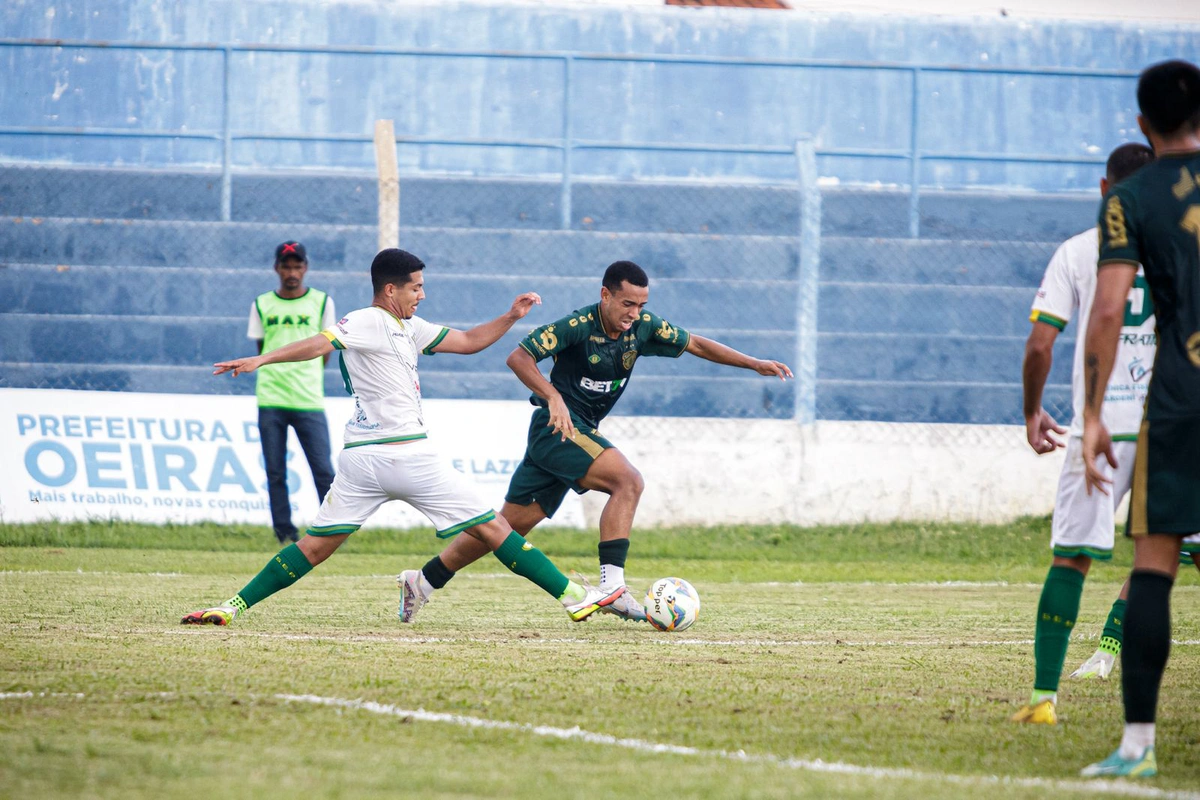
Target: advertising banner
<point>188,458</point>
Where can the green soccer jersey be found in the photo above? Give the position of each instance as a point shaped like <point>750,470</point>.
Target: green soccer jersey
<point>591,369</point>
<point>1153,217</point>
<point>300,385</point>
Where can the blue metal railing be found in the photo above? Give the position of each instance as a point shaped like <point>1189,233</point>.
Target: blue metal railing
<point>565,141</point>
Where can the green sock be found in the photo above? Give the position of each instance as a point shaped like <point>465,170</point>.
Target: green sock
<point>288,566</point>
<point>1114,629</point>
<point>1056,614</point>
<point>523,558</point>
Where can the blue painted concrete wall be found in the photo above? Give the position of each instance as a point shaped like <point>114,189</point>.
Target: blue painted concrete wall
<point>130,283</point>
<point>924,330</point>
<point>438,96</point>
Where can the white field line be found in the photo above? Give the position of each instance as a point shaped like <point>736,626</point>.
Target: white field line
<point>1120,788</point>
<point>818,766</point>
<point>665,640</point>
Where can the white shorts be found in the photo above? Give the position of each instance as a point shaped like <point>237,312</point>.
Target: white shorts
<point>370,475</point>
<point>1084,525</point>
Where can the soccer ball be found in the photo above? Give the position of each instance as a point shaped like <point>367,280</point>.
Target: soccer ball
<point>672,604</point>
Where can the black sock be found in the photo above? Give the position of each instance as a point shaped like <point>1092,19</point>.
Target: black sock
<point>437,573</point>
<point>1147,643</point>
<point>614,552</point>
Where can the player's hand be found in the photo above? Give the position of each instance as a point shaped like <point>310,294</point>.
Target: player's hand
<point>560,418</point>
<point>1096,443</point>
<point>1038,429</point>
<point>239,366</point>
<point>766,367</point>
<point>523,304</point>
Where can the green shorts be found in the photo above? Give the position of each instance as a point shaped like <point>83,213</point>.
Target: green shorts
<point>551,466</point>
<point>1166,472</point>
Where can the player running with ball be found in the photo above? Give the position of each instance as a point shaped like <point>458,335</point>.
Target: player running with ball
<point>386,455</point>
<point>594,351</point>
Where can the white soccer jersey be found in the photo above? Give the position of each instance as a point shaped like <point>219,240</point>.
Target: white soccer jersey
<point>1067,291</point>
<point>379,365</point>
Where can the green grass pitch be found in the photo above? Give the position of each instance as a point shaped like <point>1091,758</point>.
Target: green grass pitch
<point>872,661</point>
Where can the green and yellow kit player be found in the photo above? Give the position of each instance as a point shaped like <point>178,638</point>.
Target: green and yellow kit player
<point>595,350</point>
<point>1152,218</point>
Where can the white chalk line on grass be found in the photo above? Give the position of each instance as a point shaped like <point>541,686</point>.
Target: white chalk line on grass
<point>817,766</point>
<point>641,745</point>
<point>663,640</point>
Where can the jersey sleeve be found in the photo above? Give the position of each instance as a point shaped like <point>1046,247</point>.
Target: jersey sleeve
<point>328,314</point>
<point>254,330</point>
<point>426,335</point>
<point>358,330</point>
<point>665,339</point>
<point>553,338</point>
<point>1119,234</point>
<point>1056,299</point>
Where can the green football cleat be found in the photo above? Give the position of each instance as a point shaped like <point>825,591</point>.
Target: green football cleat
<point>218,615</point>
<point>1115,766</point>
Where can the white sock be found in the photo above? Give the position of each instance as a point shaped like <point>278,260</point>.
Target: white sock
<point>1138,736</point>
<point>611,577</point>
<point>425,586</point>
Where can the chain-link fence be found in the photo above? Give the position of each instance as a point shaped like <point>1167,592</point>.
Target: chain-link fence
<point>128,280</point>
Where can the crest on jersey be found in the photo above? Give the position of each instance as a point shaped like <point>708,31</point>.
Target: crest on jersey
<point>628,358</point>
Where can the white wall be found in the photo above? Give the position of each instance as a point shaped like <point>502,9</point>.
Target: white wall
<point>710,471</point>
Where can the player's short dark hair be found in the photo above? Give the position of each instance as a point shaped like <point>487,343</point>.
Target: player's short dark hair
<point>1126,160</point>
<point>1168,95</point>
<point>393,266</point>
<point>619,272</point>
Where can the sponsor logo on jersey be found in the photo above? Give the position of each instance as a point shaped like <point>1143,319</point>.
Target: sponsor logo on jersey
<point>1150,339</point>
<point>1138,370</point>
<point>601,387</point>
<point>1193,348</point>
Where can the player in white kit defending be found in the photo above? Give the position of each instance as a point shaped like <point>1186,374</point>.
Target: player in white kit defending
<point>1083,525</point>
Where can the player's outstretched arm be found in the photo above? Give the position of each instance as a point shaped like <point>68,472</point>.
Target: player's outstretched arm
<point>483,336</point>
<point>1113,283</point>
<point>303,350</point>
<point>1039,355</point>
<point>718,353</point>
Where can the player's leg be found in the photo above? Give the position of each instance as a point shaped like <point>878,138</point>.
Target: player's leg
<point>424,480</point>
<point>531,489</point>
<point>612,474</point>
<point>272,434</point>
<point>313,432</point>
<point>1163,501</point>
<point>1101,663</point>
<point>354,496</point>
<point>1082,529</point>
<point>1144,655</point>
<point>522,558</point>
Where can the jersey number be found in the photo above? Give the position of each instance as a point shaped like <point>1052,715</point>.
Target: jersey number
<point>1139,307</point>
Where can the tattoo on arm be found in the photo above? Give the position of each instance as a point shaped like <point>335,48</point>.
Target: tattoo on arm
<point>1092,379</point>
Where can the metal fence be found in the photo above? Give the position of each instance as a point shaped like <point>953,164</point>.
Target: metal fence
<point>891,303</point>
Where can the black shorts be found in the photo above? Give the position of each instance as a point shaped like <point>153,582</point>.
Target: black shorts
<point>1165,495</point>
